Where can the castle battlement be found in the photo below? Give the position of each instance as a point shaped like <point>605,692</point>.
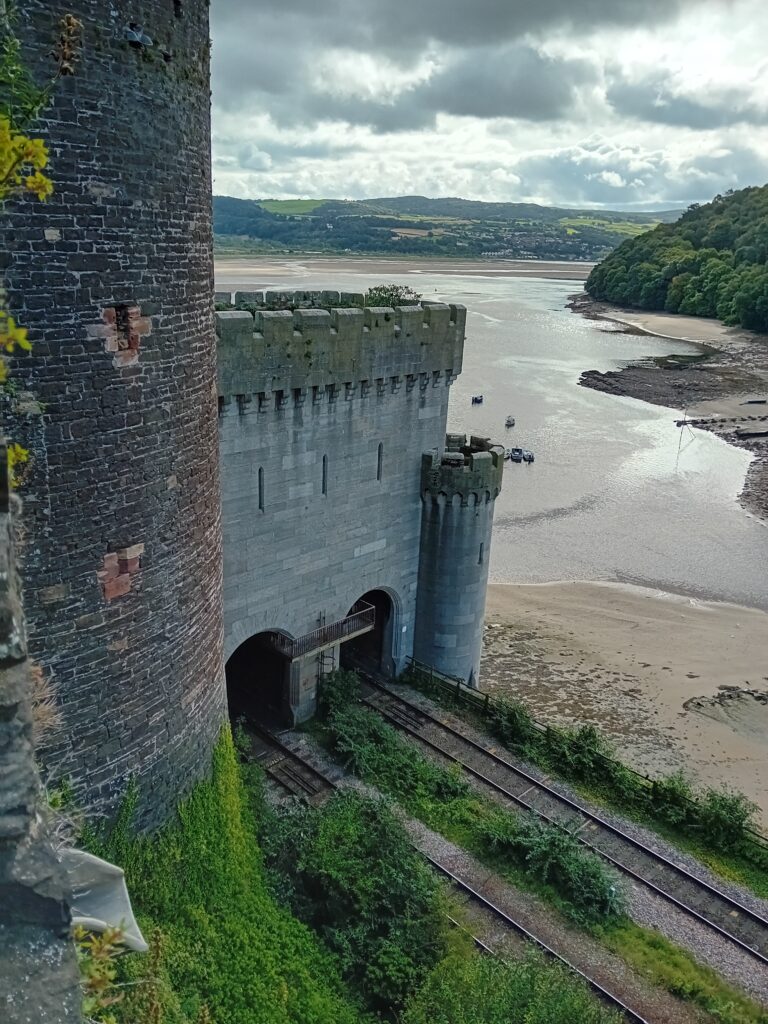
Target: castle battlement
<point>471,471</point>
<point>308,346</point>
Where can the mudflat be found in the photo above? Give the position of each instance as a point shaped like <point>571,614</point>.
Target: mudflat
<point>725,390</point>
<point>674,683</point>
<point>252,273</point>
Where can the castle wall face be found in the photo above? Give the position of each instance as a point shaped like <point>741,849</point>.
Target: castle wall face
<point>324,419</point>
<point>459,490</point>
<point>113,276</point>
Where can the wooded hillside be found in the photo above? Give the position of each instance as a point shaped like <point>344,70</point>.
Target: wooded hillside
<point>711,262</point>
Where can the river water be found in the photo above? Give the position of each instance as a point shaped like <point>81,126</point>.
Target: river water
<point>616,493</point>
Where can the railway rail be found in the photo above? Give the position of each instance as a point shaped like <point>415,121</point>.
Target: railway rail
<point>736,922</point>
<point>286,768</point>
<point>299,778</point>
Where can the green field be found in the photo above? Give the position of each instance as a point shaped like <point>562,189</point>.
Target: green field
<point>621,227</point>
<point>291,207</point>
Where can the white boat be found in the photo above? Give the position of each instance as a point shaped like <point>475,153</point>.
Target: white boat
<point>510,421</point>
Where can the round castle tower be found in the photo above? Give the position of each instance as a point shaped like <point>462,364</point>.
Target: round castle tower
<point>458,491</point>
<point>113,277</point>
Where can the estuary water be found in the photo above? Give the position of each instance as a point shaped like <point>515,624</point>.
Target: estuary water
<point>616,493</point>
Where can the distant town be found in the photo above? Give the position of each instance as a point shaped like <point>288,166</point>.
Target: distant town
<point>417,226</point>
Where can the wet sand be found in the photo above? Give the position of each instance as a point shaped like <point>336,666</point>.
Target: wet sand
<point>253,272</point>
<point>715,393</point>
<point>629,660</point>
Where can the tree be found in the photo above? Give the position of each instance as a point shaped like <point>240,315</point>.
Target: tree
<point>392,295</point>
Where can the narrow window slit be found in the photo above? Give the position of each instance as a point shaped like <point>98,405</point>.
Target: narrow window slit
<point>261,489</point>
<point>325,474</point>
<point>380,461</point>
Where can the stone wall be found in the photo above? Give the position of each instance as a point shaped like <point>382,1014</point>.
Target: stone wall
<point>321,463</point>
<point>113,276</point>
<point>38,972</point>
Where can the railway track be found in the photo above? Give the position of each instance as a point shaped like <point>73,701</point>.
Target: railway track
<point>286,768</point>
<point>737,923</point>
<point>299,778</point>
<point>464,887</point>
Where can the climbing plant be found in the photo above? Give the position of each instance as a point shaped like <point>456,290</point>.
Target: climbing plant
<point>23,158</point>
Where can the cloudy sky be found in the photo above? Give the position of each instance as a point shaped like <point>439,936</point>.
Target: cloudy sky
<point>628,104</point>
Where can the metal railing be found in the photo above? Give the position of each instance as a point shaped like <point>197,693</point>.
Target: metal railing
<point>360,620</point>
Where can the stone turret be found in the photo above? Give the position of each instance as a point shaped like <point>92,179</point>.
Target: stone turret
<point>458,492</point>
<point>113,278</point>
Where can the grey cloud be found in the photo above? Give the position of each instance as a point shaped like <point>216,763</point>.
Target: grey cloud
<point>401,25</point>
<point>653,99</point>
<point>601,175</point>
<point>515,81</point>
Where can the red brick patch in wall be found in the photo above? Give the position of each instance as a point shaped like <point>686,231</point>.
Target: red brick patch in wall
<point>122,331</point>
<point>118,570</point>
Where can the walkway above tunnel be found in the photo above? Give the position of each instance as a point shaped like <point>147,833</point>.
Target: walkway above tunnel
<point>361,619</point>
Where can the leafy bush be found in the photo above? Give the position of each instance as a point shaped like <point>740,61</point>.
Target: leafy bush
<point>391,295</point>
<point>336,691</point>
<point>554,857</point>
<point>350,872</point>
<point>229,950</point>
<point>482,990</point>
<point>373,750</point>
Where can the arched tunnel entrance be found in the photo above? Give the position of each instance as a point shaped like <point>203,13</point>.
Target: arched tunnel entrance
<point>373,649</point>
<point>258,683</point>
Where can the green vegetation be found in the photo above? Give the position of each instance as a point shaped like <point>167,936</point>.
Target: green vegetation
<point>350,873</point>
<point>524,851</point>
<point>415,226</point>
<point>713,824</point>
<point>482,990</point>
<point>620,227</point>
<point>391,295</point>
<point>713,262</point>
<point>291,207</point>
<point>221,944</point>
<point>672,968</point>
<point>533,852</point>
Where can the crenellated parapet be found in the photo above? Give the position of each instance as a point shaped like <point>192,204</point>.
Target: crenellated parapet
<point>344,350</point>
<point>471,471</point>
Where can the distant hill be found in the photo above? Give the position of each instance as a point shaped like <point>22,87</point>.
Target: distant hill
<point>416,225</point>
<point>711,262</point>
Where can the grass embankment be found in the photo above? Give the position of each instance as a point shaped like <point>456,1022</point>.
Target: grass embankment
<point>536,856</point>
<point>226,949</point>
<point>711,825</point>
<point>223,946</point>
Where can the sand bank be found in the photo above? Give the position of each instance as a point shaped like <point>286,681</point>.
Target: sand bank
<point>628,660</point>
<point>254,272</point>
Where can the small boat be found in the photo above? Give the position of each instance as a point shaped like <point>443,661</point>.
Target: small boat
<point>516,454</point>
<point>509,421</point>
<point>527,456</point>
<point>477,399</point>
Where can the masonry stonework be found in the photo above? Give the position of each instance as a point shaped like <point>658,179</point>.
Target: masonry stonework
<point>459,490</point>
<point>325,414</point>
<point>113,277</point>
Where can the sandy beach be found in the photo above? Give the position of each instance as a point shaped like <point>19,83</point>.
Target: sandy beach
<point>661,675</point>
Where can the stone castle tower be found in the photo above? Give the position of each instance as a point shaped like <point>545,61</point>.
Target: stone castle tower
<point>458,491</point>
<point>113,277</point>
